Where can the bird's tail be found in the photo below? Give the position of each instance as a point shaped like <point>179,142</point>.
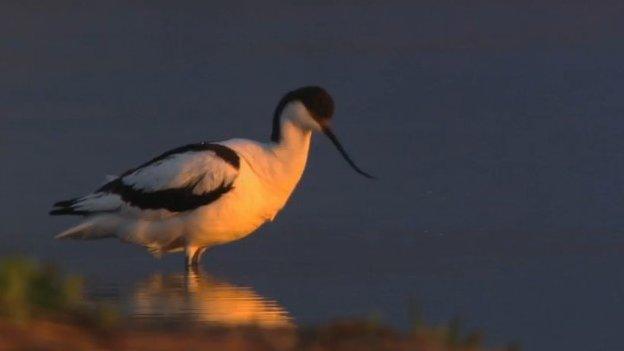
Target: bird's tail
<point>93,228</point>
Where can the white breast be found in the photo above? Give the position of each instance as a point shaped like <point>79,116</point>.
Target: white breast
<point>268,175</point>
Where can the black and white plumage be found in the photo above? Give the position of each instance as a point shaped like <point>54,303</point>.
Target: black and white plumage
<point>179,180</point>
<point>205,194</point>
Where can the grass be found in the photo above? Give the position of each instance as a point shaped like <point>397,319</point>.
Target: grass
<point>31,290</point>
<point>28,289</point>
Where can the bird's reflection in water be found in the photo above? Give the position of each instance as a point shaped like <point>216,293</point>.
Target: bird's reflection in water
<point>199,297</point>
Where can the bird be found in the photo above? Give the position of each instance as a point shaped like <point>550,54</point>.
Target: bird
<point>197,196</point>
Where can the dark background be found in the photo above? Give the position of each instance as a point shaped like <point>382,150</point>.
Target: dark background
<point>495,129</point>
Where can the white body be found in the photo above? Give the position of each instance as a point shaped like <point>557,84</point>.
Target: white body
<point>267,175</point>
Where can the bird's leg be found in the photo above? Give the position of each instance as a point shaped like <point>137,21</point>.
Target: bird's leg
<point>190,259</point>
<point>197,256</point>
<point>193,255</point>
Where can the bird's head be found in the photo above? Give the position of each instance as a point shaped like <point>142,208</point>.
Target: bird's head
<point>311,108</point>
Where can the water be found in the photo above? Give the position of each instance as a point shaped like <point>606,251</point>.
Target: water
<point>192,298</point>
<point>495,130</point>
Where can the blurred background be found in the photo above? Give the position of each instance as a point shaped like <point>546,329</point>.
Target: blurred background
<point>495,130</point>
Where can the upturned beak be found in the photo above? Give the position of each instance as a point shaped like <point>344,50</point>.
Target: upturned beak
<point>342,151</point>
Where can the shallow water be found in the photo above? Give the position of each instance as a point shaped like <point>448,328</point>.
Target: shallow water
<point>193,297</point>
<point>496,133</point>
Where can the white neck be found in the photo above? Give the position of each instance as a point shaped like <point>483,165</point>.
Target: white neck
<point>292,151</point>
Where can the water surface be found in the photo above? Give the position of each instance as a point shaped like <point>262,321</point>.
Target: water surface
<point>496,132</point>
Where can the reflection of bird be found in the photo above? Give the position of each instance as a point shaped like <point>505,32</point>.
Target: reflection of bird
<point>206,194</point>
<point>202,298</point>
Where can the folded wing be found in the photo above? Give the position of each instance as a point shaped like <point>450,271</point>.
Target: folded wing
<point>177,181</point>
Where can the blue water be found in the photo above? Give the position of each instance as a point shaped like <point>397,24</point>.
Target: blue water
<point>496,133</point>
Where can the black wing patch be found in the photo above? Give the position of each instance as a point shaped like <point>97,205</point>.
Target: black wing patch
<point>224,152</point>
<point>172,199</point>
